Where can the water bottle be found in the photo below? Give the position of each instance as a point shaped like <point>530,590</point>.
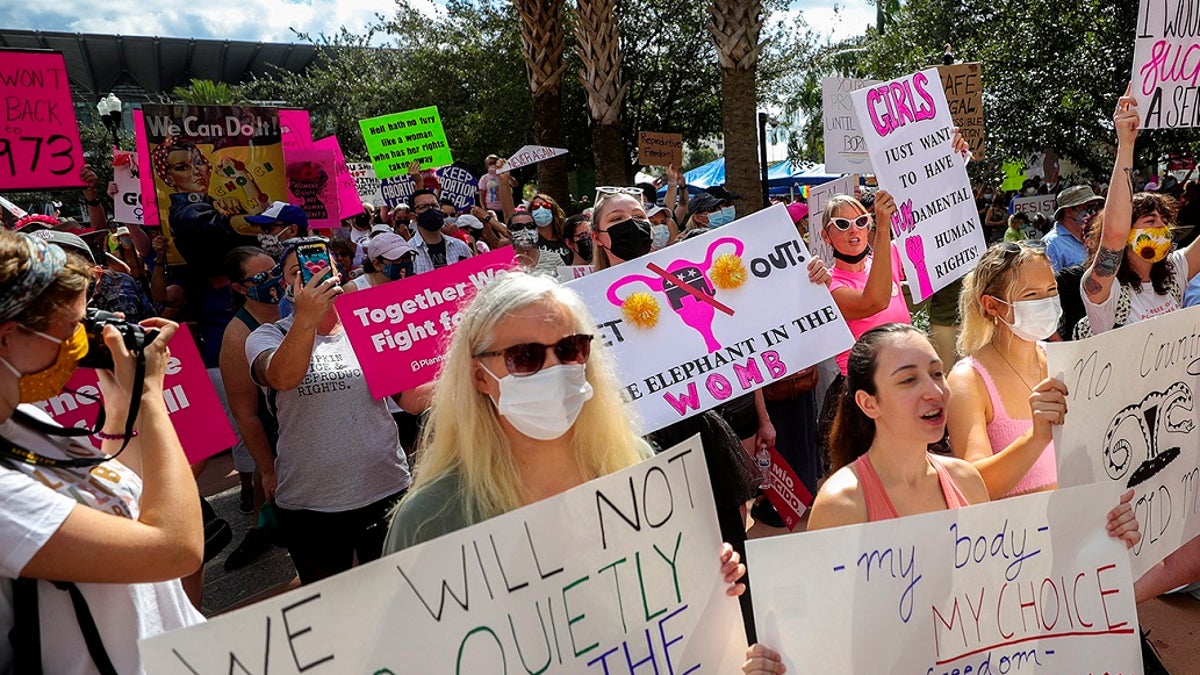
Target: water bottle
<point>763,459</point>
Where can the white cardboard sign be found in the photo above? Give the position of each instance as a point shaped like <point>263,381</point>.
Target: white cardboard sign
<point>530,154</point>
<point>1165,51</point>
<point>845,150</point>
<point>818,196</point>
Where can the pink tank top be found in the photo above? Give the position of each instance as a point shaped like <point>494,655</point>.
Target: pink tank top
<point>879,505</point>
<point>1003,430</point>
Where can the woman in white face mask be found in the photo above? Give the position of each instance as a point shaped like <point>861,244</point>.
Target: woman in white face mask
<point>1004,405</point>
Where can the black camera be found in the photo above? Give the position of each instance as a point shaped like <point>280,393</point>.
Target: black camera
<point>98,355</point>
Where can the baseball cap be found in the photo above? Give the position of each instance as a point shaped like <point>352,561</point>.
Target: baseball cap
<point>389,246</point>
<point>656,209</point>
<point>280,212</point>
<point>798,211</point>
<point>703,202</point>
<point>70,243</point>
<point>468,220</point>
<point>378,230</point>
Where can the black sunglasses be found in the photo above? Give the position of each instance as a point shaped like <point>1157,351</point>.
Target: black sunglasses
<point>263,277</point>
<point>515,227</point>
<point>529,357</point>
<point>862,222</point>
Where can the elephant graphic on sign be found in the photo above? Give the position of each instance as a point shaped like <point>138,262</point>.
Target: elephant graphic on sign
<point>1156,410</point>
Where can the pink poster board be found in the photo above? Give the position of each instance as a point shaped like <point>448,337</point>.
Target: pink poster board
<point>400,330</point>
<point>149,202</point>
<point>347,187</point>
<point>312,186</point>
<point>296,128</point>
<point>195,411</point>
<point>39,139</point>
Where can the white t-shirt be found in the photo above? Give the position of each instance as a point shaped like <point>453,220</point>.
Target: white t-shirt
<point>34,502</point>
<point>1144,305</point>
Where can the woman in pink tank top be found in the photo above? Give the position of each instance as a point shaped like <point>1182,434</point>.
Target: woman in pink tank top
<point>1004,405</point>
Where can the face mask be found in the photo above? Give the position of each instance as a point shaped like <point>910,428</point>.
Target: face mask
<point>630,238</point>
<point>430,220</point>
<point>270,244</point>
<point>45,383</point>
<point>289,294</point>
<point>659,236</point>
<point>526,238</point>
<point>722,217</point>
<point>269,291</point>
<point>585,248</point>
<point>1151,244</point>
<point>1034,320</point>
<point>542,216</point>
<point>398,270</point>
<point>544,405</point>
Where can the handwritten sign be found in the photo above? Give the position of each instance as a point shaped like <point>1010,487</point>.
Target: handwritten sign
<point>296,128</point>
<point>1031,584</point>
<point>146,178</point>
<point>394,141</point>
<point>1043,204</point>
<point>366,184</point>
<point>620,570</point>
<point>400,330</point>
<point>127,203</point>
<point>1164,64</point>
<point>907,128</point>
<point>312,185</point>
<point>39,139</point>
<point>656,149</point>
<point>702,321</point>
<point>12,208</point>
<point>963,85</point>
<point>1132,424</point>
<point>459,186</point>
<point>845,150</point>
<point>530,154</point>
<point>818,196</point>
<point>349,205</point>
<point>192,404</point>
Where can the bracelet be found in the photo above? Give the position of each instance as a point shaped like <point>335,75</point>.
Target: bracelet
<point>91,202</point>
<point>115,437</point>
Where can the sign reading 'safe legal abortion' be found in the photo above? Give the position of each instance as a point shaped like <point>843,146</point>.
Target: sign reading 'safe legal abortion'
<point>622,570</point>
<point>715,317</point>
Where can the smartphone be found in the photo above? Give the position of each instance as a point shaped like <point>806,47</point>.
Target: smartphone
<point>313,258</point>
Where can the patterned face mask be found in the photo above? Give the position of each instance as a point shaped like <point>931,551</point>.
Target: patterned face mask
<point>49,381</point>
<point>1151,244</point>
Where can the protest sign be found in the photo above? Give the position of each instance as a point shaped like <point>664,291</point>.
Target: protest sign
<point>907,129</point>
<point>400,330</point>
<point>530,154</point>
<point>818,196</point>
<point>394,141</point>
<point>845,151</point>
<point>127,203</point>
<point>571,272</point>
<point>786,491</point>
<point>146,177</point>
<point>39,140</point>
<point>12,208</point>
<point>296,128</point>
<point>1164,64</point>
<point>349,205</point>
<point>1043,204</point>
<point>192,404</point>
<point>312,186</point>
<point>703,321</point>
<point>1030,584</point>
<point>656,149</point>
<point>369,189</point>
<point>963,85</point>
<point>459,186</point>
<point>201,154</point>
<point>397,190</point>
<point>1131,424</point>
<point>621,570</point>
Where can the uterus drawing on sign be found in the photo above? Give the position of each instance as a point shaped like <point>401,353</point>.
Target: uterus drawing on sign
<point>688,287</point>
<point>1171,408</point>
<point>904,225</point>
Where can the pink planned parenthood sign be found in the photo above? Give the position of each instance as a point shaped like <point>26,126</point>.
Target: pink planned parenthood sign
<point>39,139</point>
<point>400,330</point>
<point>192,403</point>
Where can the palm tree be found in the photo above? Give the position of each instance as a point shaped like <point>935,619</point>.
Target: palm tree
<point>735,26</point>
<point>600,50</point>
<point>542,48</point>
<point>207,92</point>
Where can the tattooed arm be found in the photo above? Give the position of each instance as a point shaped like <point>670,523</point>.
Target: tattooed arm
<point>1118,207</point>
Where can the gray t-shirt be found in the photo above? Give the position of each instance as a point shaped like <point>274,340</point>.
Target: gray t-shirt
<point>338,447</point>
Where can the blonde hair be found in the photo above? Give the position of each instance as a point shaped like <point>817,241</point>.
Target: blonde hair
<point>463,433</point>
<point>996,275</point>
<point>836,202</point>
<point>599,257</point>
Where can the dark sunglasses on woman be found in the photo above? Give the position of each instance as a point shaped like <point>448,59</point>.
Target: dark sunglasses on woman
<point>263,277</point>
<point>528,358</point>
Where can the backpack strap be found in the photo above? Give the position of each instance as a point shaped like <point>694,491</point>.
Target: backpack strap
<point>26,633</point>
<point>87,625</point>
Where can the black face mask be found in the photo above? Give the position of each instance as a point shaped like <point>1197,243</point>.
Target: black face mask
<point>584,247</point>
<point>430,219</point>
<point>852,259</point>
<point>630,238</point>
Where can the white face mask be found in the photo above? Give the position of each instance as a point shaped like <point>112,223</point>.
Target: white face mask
<point>659,236</point>
<point>1034,320</point>
<point>544,405</point>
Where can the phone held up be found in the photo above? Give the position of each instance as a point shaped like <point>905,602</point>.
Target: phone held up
<point>314,258</point>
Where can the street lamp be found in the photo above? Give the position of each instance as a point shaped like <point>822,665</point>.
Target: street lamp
<point>109,108</point>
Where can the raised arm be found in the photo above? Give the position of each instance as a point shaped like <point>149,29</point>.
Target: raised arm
<point>877,294</point>
<point>1118,206</point>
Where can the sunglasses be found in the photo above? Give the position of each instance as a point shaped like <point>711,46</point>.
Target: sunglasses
<point>529,357</point>
<point>517,227</point>
<point>862,222</point>
<point>610,190</point>
<point>263,277</point>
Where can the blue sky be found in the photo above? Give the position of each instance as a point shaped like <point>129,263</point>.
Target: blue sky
<point>273,20</point>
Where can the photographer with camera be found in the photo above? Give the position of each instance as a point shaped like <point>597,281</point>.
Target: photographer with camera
<point>114,532</point>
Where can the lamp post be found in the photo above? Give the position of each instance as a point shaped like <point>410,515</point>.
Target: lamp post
<point>109,108</point>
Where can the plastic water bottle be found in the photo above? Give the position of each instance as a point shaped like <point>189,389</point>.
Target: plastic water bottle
<point>763,459</point>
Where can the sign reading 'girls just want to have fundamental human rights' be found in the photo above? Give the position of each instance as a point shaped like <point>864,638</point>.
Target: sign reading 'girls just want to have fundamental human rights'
<point>908,127</point>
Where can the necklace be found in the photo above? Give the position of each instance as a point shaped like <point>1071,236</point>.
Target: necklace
<point>1010,366</point>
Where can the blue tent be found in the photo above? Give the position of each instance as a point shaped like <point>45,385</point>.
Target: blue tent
<point>782,178</point>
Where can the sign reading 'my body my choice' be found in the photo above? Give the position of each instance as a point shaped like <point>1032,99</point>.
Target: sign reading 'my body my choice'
<point>702,321</point>
<point>395,141</point>
<point>39,140</point>
<point>1133,424</point>
<point>623,569</point>
<point>1166,64</point>
<point>1032,584</point>
<point>907,126</point>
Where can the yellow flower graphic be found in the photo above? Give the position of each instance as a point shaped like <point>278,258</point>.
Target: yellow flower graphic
<point>641,310</point>
<point>728,272</point>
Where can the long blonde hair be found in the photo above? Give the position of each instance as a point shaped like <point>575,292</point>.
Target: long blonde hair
<point>599,257</point>
<point>996,275</point>
<point>463,433</point>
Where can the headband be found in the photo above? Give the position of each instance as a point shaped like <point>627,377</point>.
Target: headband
<point>170,144</point>
<point>45,262</point>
